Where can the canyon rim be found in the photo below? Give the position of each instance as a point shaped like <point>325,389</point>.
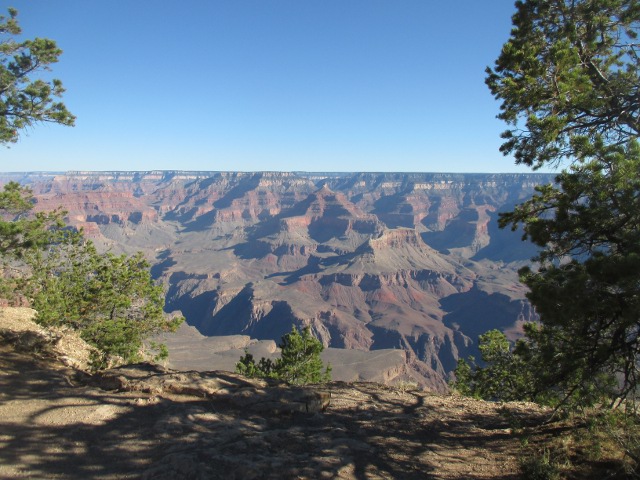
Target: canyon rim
<point>396,273</point>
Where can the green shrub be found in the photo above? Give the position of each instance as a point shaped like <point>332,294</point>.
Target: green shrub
<point>299,364</point>
<point>505,376</point>
<point>111,300</point>
<point>539,467</point>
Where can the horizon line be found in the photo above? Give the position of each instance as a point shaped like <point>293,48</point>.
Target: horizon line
<point>323,172</point>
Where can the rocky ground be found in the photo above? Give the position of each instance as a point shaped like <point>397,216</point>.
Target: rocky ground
<point>144,421</point>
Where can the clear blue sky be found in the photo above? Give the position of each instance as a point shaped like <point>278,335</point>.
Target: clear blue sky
<point>335,85</point>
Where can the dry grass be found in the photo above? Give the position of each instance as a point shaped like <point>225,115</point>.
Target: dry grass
<point>593,445</point>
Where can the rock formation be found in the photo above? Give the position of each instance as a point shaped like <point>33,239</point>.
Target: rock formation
<point>413,262</point>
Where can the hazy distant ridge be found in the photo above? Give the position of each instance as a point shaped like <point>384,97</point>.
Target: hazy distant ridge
<point>371,261</point>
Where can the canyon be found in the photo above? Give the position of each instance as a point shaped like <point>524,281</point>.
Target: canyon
<point>396,273</point>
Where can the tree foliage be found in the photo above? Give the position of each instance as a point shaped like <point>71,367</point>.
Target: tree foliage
<point>20,232</point>
<point>568,79</point>
<point>570,92</point>
<point>111,300</point>
<point>25,100</point>
<point>523,372</point>
<point>505,375</point>
<point>299,364</point>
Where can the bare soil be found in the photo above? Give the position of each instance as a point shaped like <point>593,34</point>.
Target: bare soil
<point>147,422</point>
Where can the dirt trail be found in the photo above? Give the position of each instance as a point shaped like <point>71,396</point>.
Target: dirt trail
<point>171,425</point>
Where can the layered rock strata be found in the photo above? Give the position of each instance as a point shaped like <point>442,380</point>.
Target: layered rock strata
<point>412,262</point>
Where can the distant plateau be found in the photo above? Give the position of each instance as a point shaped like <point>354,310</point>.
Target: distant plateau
<point>396,273</point>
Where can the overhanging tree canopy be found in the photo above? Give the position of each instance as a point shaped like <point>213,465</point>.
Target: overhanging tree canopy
<point>568,79</point>
<point>25,100</point>
<point>570,91</point>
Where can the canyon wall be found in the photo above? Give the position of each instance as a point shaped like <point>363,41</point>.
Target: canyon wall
<point>410,261</point>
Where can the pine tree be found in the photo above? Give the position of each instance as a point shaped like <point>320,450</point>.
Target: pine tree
<point>110,300</point>
<point>570,91</point>
<point>504,374</point>
<point>299,364</point>
<point>25,101</point>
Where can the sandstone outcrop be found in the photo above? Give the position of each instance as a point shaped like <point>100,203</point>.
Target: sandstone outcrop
<point>408,261</point>
<point>18,329</point>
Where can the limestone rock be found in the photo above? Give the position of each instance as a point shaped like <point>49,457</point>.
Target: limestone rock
<point>240,392</point>
<point>18,328</point>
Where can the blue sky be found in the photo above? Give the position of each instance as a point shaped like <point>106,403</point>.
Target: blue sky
<point>315,85</point>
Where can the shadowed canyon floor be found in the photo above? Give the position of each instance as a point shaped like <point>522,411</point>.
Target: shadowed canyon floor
<point>370,261</point>
<point>143,421</point>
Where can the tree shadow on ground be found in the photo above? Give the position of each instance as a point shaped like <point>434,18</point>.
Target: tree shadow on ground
<point>50,428</point>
